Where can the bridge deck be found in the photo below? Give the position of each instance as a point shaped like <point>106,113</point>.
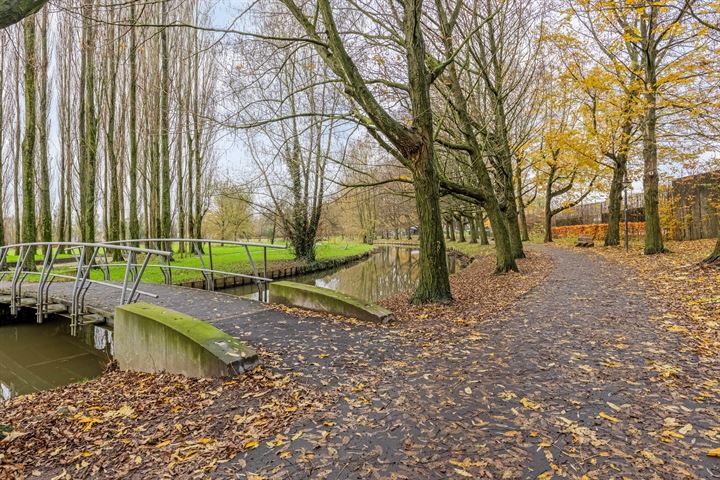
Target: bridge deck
<point>213,307</point>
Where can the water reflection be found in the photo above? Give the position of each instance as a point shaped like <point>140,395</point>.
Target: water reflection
<point>40,357</point>
<point>388,271</point>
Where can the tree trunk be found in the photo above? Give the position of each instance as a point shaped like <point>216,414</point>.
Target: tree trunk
<point>473,229</point>
<point>522,219</point>
<point>548,227</point>
<point>166,218</point>
<point>513,227</point>
<point>505,257</point>
<point>461,227</point>
<point>451,229</point>
<point>433,281</point>
<point>18,150</point>
<point>481,228</point>
<point>134,226</point>
<point>88,138</point>
<point>612,237</point>
<point>111,170</point>
<point>548,207</point>
<point>2,138</point>
<point>12,11</point>
<point>715,255</point>
<point>44,180</point>
<point>28,148</point>
<point>653,232</point>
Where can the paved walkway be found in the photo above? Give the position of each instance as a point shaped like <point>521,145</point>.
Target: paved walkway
<point>576,379</point>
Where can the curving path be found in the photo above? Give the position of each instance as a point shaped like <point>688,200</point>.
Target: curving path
<point>578,380</point>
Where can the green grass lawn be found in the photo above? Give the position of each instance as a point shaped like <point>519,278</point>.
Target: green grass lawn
<point>233,259</point>
<point>39,257</point>
<point>470,249</point>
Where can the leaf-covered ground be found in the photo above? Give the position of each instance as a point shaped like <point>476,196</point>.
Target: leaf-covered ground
<point>687,290</point>
<point>570,374</point>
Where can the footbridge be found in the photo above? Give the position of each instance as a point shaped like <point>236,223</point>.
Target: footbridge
<point>87,281</point>
<point>158,325</point>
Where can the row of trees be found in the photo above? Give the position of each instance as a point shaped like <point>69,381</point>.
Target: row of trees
<point>490,101</point>
<point>478,108</point>
<point>106,117</point>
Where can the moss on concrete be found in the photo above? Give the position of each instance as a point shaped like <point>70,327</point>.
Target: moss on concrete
<point>326,300</point>
<point>153,339</point>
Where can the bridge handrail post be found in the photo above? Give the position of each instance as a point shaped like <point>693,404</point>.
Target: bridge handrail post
<point>212,268</point>
<point>198,251</point>
<point>43,285</point>
<point>126,276</point>
<point>265,285</point>
<point>258,283</point>
<point>136,282</point>
<point>74,305</point>
<point>85,285</point>
<point>167,272</point>
<point>3,261</point>
<point>16,284</point>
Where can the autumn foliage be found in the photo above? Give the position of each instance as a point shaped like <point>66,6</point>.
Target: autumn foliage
<point>597,230</point>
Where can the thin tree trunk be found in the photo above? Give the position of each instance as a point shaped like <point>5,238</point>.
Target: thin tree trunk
<point>88,158</point>
<point>548,206</point>
<point>111,170</point>
<point>481,228</point>
<point>2,139</point>
<point>612,237</point>
<point>44,180</point>
<point>473,229</point>
<point>461,227</point>
<point>653,232</point>
<point>18,150</point>
<point>166,218</point>
<point>29,233</point>
<point>134,227</point>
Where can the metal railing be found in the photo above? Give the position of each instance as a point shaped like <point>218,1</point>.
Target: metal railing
<point>136,261</point>
<point>85,255</point>
<point>203,249</point>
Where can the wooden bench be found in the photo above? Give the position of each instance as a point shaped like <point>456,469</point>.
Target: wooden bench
<point>585,241</point>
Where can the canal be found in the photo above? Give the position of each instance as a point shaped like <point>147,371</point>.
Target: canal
<point>387,271</point>
<point>40,357</point>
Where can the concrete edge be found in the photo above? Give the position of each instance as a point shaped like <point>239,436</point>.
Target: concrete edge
<point>326,300</point>
<point>222,346</point>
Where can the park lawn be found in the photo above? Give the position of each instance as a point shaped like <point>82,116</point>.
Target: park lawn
<point>234,259</point>
<point>470,249</point>
<point>39,257</point>
<point>466,248</point>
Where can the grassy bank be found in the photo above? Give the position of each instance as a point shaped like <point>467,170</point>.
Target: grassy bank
<point>234,259</point>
